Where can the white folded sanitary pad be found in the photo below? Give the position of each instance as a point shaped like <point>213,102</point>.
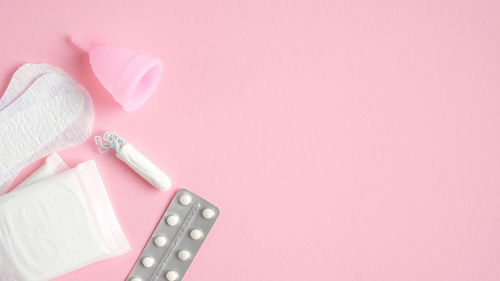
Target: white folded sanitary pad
<point>53,165</point>
<point>42,111</point>
<point>57,224</point>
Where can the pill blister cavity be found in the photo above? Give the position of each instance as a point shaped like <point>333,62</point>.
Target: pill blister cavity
<point>172,220</point>
<point>160,241</point>
<point>184,255</point>
<point>185,199</point>
<point>196,234</point>
<point>176,240</point>
<point>148,261</point>
<point>208,213</point>
<point>172,275</point>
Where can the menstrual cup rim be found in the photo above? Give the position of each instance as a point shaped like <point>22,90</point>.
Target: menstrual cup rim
<point>130,103</point>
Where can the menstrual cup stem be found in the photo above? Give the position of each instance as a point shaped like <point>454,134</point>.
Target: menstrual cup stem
<point>80,43</point>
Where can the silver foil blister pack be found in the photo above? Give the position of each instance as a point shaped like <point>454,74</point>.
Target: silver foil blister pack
<point>176,240</point>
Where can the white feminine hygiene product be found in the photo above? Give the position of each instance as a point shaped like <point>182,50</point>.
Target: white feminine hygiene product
<point>23,78</point>
<point>134,159</point>
<point>56,225</point>
<point>52,114</point>
<point>176,240</point>
<point>53,165</point>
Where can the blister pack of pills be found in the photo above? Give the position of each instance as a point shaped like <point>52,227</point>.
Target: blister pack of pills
<point>176,240</point>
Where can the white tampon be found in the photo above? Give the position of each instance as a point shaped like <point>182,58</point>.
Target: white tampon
<point>134,159</point>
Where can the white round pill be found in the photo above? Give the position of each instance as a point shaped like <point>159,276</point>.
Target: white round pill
<point>184,255</point>
<point>172,220</point>
<point>208,213</point>
<point>172,275</point>
<point>196,234</point>
<point>185,199</point>
<point>148,261</point>
<point>160,241</point>
<point>136,279</point>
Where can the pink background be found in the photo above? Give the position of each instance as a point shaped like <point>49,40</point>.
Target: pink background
<point>342,140</point>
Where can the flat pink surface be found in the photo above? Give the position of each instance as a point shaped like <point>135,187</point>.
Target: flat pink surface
<point>342,140</point>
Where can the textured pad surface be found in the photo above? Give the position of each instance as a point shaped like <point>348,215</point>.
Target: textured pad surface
<point>54,113</point>
<point>23,78</point>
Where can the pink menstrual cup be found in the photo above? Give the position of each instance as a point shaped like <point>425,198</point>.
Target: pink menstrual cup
<point>129,76</point>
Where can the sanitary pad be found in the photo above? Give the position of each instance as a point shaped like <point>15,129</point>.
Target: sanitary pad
<point>57,224</point>
<point>53,165</point>
<point>23,78</point>
<point>42,111</point>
